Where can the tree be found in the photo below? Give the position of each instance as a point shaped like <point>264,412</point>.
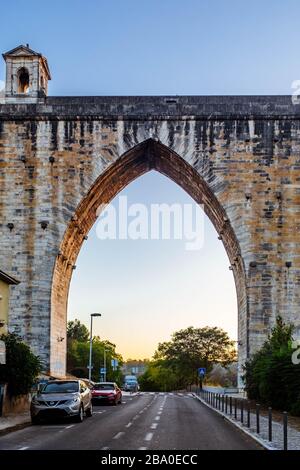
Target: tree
<point>176,362</point>
<point>22,366</point>
<point>158,378</point>
<point>78,349</point>
<point>270,374</point>
<point>192,348</point>
<point>77,330</point>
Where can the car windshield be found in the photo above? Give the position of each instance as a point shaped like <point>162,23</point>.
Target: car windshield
<point>61,387</point>
<point>103,387</point>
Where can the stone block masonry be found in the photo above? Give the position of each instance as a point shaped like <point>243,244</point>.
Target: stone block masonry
<point>62,157</point>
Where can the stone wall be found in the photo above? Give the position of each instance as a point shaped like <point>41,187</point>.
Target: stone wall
<point>239,156</point>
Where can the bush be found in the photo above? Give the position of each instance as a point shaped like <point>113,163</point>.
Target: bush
<point>270,375</point>
<point>22,366</point>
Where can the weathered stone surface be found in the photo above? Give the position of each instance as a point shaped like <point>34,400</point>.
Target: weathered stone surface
<point>239,156</point>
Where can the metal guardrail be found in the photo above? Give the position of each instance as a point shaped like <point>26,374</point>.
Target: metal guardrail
<point>240,409</point>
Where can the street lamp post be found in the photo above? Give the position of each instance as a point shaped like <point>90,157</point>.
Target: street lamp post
<point>91,343</point>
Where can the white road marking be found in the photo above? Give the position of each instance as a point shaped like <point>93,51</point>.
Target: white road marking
<point>97,412</point>
<point>69,427</point>
<point>149,436</point>
<point>24,448</point>
<point>117,436</point>
<point>128,425</point>
<point>157,418</point>
<point>142,448</point>
<point>105,448</point>
<point>154,425</point>
<point>124,402</point>
<point>136,417</point>
<point>159,412</point>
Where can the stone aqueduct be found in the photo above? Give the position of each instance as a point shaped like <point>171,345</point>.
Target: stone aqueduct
<point>61,157</point>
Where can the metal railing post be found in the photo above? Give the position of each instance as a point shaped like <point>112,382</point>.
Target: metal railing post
<point>270,424</point>
<point>257,418</point>
<point>230,405</point>
<point>242,411</point>
<point>285,429</point>
<point>235,408</point>
<point>226,404</point>
<point>248,414</point>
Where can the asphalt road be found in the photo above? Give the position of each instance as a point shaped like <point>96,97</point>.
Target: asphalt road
<point>144,421</point>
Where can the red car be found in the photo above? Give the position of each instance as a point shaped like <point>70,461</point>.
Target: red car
<point>106,392</point>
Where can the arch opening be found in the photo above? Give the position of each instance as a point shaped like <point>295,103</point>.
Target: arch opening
<point>23,80</point>
<point>149,155</point>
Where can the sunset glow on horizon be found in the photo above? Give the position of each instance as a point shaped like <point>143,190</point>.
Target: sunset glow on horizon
<point>148,289</point>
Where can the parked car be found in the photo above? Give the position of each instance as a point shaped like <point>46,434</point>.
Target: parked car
<point>106,392</point>
<point>61,399</point>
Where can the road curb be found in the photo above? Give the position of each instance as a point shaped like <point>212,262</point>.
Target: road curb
<point>16,427</point>
<point>254,436</point>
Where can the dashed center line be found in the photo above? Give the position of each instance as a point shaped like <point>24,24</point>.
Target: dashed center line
<point>117,436</point>
<point>149,436</point>
<point>157,418</point>
<point>128,425</point>
<point>24,448</point>
<point>154,425</point>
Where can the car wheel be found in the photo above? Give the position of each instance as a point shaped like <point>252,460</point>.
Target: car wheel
<point>35,420</point>
<point>79,417</point>
<point>89,412</point>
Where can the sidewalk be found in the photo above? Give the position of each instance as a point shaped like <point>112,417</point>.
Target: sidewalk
<point>13,422</point>
<point>277,428</point>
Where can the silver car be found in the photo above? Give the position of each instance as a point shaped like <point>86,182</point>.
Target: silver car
<point>61,399</point>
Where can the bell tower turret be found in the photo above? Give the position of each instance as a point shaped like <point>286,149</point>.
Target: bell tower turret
<point>27,75</point>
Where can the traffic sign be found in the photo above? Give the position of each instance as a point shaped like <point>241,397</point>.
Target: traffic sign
<point>102,370</point>
<point>201,371</point>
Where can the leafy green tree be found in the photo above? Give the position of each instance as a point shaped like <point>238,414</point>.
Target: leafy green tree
<point>176,362</point>
<point>77,330</point>
<point>78,350</point>
<point>192,348</point>
<point>22,366</point>
<point>158,378</point>
<point>270,375</point>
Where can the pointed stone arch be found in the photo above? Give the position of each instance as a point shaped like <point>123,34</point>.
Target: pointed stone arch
<point>149,155</point>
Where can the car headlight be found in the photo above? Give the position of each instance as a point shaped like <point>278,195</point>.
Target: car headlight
<point>74,401</point>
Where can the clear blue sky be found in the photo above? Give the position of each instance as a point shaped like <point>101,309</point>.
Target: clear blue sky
<point>160,46</point>
<point>145,290</point>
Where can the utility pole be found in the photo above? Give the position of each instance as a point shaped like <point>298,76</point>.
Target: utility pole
<point>91,343</point>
